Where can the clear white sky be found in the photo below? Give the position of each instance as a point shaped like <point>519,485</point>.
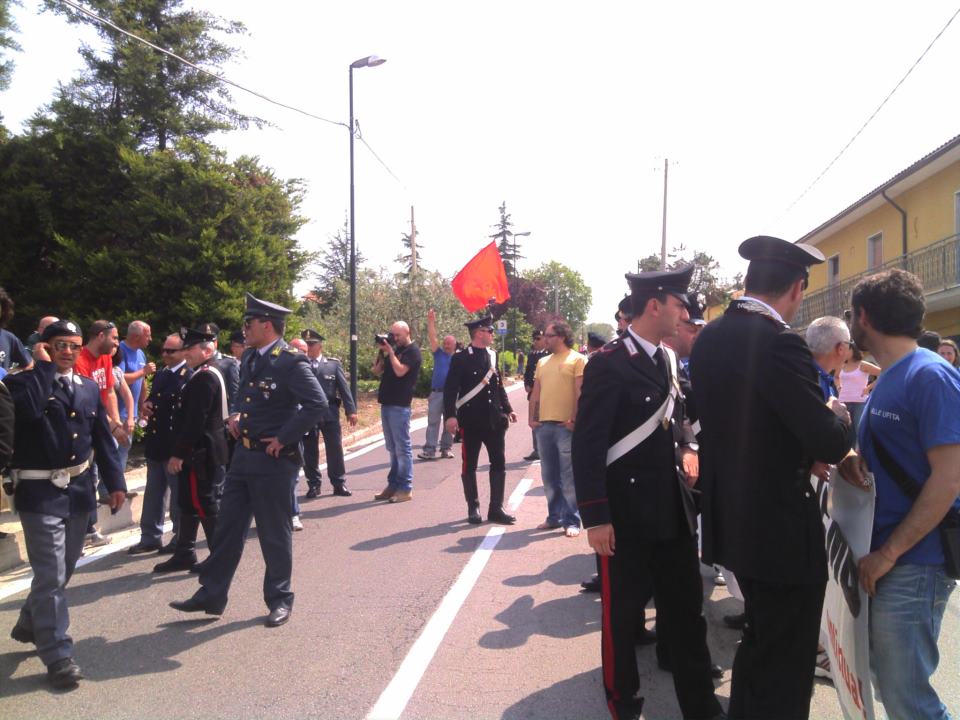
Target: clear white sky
<point>566,111</point>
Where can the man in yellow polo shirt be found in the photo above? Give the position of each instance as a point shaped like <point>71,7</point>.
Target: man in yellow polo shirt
<point>553,407</point>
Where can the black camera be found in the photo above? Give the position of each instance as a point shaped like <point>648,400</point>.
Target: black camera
<point>385,339</point>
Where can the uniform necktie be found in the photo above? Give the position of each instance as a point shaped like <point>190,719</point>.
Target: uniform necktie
<point>66,385</point>
<point>661,365</point>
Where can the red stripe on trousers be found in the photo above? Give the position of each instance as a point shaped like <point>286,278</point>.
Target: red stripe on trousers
<point>195,495</point>
<point>463,452</point>
<point>606,637</point>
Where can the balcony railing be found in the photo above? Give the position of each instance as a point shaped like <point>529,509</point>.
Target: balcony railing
<point>937,266</point>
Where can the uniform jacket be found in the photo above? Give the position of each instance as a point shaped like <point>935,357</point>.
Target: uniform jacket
<point>334,384</point>
<point>199,429</point>
<point>279,395</point>
<point>56,431</point>
<point>643,492</point>
<point>488,407</point>
<point>165,396</point>
<point>533,357</point>
<point>229,368</point>
<point>6,426</point>
<point>763,422</point>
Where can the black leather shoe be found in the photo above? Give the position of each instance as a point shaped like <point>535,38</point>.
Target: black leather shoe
<point>141,549</point>
<point>473,516</point>
<point>313,492</point>
<point>342,490</point>
<point>735,622</point>
<point>592,585</point>
<point>645,637</point>
<point>176,564</point>
<point>194,605</point>
<point>532,456</point>
<point>278,616</point>
<point>22,634</point>
<point>497,515</point>
<point>64,673</point>
<point>169,549</point>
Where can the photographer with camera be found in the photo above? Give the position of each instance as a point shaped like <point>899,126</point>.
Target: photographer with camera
<point>398,366</point>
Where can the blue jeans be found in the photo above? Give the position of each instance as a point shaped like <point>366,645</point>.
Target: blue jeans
<point>396,438</point>
<point>154,495</point>
<point>905,617</point>
<point>556,472</point>
<point>434,427</point>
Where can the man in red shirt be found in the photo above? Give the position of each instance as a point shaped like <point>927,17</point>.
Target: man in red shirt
<point>95,363</point>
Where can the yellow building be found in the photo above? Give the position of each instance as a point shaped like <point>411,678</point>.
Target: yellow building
<point>911,221</point>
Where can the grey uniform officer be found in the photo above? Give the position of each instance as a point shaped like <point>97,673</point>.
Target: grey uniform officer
<point>329,372</point>
<point>279,400</point>
<point>60,423</point>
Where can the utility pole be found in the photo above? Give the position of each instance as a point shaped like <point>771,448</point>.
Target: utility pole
<point>413,244</point>
<point>663,238</point>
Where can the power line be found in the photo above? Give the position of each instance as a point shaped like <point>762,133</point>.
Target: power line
<point>873,114</point>
<point>227,81</point>
<point>219,78</point>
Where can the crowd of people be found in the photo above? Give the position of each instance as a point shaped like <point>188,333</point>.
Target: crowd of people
<point>678,443</point>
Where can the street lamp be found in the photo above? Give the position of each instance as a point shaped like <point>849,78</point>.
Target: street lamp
<point>369,61</point>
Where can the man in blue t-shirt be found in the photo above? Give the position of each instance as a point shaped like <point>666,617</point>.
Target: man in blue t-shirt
<point>910,421</point>
<point>135,367</point>
<point>12,352</point>
<point>441,366</point>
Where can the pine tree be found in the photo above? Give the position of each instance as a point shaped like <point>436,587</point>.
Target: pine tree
<point>157,97</point>
<point>507,242</point>
<point>334,268</point>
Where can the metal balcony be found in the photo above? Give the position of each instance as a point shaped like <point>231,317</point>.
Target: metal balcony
<point>937,266</point>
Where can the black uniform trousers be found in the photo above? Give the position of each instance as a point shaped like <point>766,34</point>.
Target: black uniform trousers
<point>681,628</point>
<point>773,668</point>
<point>473,438</point>
<point>333,445</point>
<point>257,487</point>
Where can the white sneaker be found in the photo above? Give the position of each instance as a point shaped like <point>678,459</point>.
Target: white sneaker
<point>297,525</point>
<point>572,531</point>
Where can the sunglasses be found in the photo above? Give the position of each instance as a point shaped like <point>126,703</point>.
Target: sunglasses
<point>63,345</point>
<point>486,329</point>
<point>248,321</point>
<point>546,334</point>
<point>171,351</point>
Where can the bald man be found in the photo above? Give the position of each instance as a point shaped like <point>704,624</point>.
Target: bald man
<point>442,354</point>
<point>398,366</point>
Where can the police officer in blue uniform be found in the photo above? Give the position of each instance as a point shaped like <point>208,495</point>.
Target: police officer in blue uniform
<point>279,400</point>
<point>633,468</point>
<point>475,403</point>
<point>329,372</point>
<point>199,448</point>
<point>161,404</point>
<point>60,424</point>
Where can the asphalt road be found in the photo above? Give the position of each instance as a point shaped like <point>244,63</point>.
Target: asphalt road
<point>511,638</point>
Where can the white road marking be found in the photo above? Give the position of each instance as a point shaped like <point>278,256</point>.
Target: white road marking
<point>397,694</point>
<point>121,542</point>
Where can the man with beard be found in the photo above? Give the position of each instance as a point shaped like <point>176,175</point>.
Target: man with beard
<point>764,424</point>
<point>199,449</point>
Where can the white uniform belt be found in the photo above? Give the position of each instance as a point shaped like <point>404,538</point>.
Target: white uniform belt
<point>473,392</point>
<point>628,442</point>
<point>47,474</point>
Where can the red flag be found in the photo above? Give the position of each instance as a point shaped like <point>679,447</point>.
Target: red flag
<point>481,279</point>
